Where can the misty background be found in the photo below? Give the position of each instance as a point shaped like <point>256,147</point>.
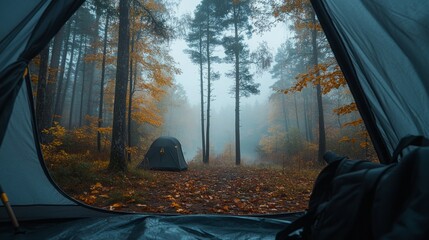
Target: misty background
<point>184,124</point>
<point>291,90</point>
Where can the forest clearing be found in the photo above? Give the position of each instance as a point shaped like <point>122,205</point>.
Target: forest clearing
<point>253,114</point>
<point>217,189</point>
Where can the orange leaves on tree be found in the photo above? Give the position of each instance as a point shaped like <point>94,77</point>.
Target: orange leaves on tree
<point>353,123</point>
<point>57,132</point>
<point>85,136</point>
<point>328,75</point>
<point>97,58</point>
<point>365,144</point>
<point>308,25</point>
<point>146,111</point>
<point>293,8</point>
<point>155,67</point>
<point>362,136</point>
<point>362,139</point>
<point>346,109</point>
<point>347,139</point>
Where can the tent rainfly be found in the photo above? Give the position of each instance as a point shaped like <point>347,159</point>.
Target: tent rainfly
<point>165,153</point>
<point>380,45</point>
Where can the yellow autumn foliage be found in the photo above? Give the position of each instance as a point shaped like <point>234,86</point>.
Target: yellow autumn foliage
<point>346,109</point>
<point>327,74</point>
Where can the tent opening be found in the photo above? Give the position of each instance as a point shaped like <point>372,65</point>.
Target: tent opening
<point>251,148</point>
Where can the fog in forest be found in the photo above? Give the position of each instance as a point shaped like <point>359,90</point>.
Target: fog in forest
<point>260,113</point>
<point>183,123</point>
<point>250,88</point>
<point>189,66</point>
<point>254,108</point>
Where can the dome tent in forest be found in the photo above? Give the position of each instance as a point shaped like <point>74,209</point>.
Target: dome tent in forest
<point>165,153</point>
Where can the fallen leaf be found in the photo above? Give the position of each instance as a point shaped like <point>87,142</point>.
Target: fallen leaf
<point>116,205</point>
<point>175,205</point>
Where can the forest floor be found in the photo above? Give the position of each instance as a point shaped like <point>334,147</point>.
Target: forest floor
<point>199,190</point>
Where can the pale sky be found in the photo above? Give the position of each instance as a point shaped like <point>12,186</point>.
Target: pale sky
<point>190,72</point>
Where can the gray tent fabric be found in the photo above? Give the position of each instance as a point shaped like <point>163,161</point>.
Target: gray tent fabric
<point>137,226</point>
<point>165,153</point>
<point>30,184</point>
<point>28,28</point>
<point>23,175</point>
<point>382,48</point>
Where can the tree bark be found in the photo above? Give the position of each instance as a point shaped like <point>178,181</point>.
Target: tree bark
<point>307,126</point>
<point>117,154</point>
<point>93,69</point>
<point>48,109</point>
<point>284,111</point>
<point>103,71</point>
<point>296,112</point>
<point>58,111</point>
<point>130,100</point>
<point>203,141</point>
<point>76,73</point>
<point>207,152</point>
<point>322,137</point>
<point>68,78</point>
<point>41,88</point>
<point>82,90</point>
<point>237,91</point>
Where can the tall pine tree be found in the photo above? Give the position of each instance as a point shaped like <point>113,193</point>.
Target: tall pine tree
<point>196,53</point>
<point>236,21</point>
<point>117,152</point>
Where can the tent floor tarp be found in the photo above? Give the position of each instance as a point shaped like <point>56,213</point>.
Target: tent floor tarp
<point>136,226</point>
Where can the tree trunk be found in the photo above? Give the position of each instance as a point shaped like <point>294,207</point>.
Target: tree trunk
<point>117,154</point>
<point>237,92</point>
<point>203,141</point>
<point>76,73</point>
<point>48,109</point>
<point>307,126</point>
<point>322,138</point>
<point>284,108</point>
<point>296,112</point>
<point>103,70</point>
<point>41,88</point>
<point>132,88</point>
<point>82,90</point>
<point>68,79</point>
<point>57,111</point>
<point>93,69</point>
<point>339,124</point>
<point>207,152</point>
<point>130,101</point>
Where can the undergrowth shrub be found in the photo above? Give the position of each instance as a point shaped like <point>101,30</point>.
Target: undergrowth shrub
<point>71,169</point>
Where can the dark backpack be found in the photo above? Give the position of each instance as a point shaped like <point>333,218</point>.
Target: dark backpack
<point>354,199</point>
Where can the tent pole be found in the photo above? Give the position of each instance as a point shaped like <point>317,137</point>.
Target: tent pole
<point>9,209</point>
